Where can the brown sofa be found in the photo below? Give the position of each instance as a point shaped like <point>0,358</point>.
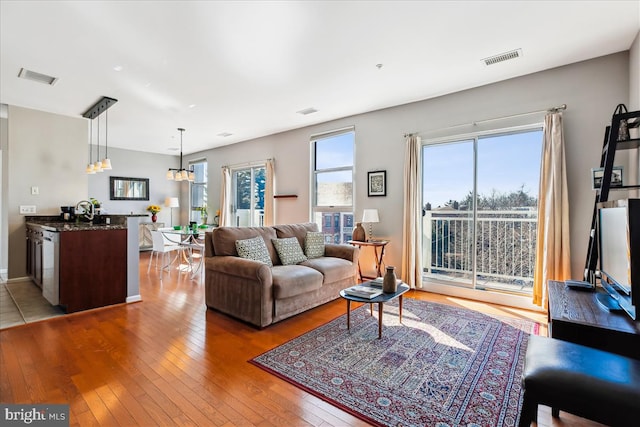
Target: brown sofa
<point>261,295</point>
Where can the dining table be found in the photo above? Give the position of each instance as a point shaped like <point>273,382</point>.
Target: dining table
<point>192,238</point>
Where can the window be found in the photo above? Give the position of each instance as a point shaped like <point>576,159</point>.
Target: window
<point>248,185</point>
<point>332,182</point>
<point>480,198</point>
<point>198,189</point>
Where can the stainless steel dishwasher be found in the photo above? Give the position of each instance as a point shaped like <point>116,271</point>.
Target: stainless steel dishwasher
<point>50,266</point>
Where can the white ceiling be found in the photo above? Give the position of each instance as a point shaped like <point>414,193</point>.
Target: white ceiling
<point>246,68</point>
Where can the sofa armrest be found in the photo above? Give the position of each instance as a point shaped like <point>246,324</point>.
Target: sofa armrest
<point>239,287</point>
<point>348,252</point>
<point>239,267</point>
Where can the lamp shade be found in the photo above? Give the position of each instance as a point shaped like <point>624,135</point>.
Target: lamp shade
<point>172,202</point>
<point>370,215</point>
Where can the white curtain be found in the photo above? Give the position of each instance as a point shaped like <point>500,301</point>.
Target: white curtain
<point>269,191</point>
<point>225,198</point>
<point>553,258</point>
<point>411,236</point>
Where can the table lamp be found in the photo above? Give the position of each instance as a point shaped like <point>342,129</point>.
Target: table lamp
<point>370,216</point>
<point>172,202</point>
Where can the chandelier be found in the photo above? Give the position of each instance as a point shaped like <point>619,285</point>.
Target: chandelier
<point>181,174</point>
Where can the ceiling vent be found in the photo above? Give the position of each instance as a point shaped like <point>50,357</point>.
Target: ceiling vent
<point>37,77</point>
<point>225,134</point>
<point>307,111</point>
<point>506,56</point>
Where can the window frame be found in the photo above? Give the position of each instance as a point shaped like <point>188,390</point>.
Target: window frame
<point>473,137</point>
<point>343,210</point>
<point>195,214</point>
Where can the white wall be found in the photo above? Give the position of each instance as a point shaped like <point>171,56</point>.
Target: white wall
<point>50,151</point>
<point>634,105</point>
<point>591,89</point>
<point>135,164</point>
<point>46,151</point>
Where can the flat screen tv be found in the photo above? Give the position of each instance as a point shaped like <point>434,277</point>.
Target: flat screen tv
<point>619,252</point>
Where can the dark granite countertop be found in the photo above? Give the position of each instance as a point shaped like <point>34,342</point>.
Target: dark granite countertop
<point>75,226</point>
<point>54,222</point>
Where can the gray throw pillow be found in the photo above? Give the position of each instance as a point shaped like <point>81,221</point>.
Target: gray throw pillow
<point>289,250</point>
<point>254,249</point>
<point>314,244</point>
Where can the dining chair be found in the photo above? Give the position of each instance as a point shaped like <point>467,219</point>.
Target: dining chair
<point>163,248</point>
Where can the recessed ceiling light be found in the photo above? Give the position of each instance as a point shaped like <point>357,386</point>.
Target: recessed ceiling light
<point>118,68</point>
<point>307,111</point>
<point>192,106</point>
<point>37,77</point>
<point>225,134</point>
<point>378,66</point>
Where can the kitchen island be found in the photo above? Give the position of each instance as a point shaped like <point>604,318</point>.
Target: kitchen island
<point>82,265</point>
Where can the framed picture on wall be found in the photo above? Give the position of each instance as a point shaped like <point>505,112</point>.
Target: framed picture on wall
<point>377,183</point>
<point>598,173</point>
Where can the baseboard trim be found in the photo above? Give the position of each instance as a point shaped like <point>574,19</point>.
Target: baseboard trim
<point>133,298</point>
<point>19,279</point>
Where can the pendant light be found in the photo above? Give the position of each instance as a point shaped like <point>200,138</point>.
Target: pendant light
<point>89,170</point>
<point>181,174</point>
<point>97,166</point>
<point>92,113</point>
<point>106,162</point>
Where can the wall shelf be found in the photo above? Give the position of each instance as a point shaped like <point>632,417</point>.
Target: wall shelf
<point>286,196</point>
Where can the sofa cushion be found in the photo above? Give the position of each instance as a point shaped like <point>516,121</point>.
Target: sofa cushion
<point>292,280</point>
<point>299,231</point>
<point>314,244</point>
<point>254,249</point>
<point>224,239</point>
<point>333,269</point>
<point>289,251</point>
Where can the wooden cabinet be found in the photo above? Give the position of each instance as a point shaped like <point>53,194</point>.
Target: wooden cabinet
<point>93,268</point>
<point>576,316</point>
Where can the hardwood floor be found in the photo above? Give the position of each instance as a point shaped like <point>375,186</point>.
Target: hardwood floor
<point>169,361</point>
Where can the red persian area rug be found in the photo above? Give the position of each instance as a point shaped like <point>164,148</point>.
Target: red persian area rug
<point>443,366</point>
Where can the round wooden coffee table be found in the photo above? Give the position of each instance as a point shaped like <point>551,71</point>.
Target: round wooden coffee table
<point>380,300</point>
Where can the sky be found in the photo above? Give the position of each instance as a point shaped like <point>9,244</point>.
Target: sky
<point>505,164</point>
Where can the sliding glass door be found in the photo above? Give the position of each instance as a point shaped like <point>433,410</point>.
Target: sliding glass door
<point>480,210</point>
<point>248,189</point>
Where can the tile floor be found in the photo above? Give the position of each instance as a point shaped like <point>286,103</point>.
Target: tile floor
<point>22,302</point>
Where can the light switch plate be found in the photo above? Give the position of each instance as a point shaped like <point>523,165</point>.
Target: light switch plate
<point>27,209</point>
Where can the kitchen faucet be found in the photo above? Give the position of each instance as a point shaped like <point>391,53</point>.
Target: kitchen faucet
<point>88,209</point>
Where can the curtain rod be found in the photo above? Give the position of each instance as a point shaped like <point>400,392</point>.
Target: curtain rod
<point>247,164</point>
<point>548,110</point>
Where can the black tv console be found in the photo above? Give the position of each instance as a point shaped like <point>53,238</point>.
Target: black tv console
<point>576,316</point>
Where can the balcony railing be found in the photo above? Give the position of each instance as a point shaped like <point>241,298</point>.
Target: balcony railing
<point>242,218</point>
<point>505,247</point>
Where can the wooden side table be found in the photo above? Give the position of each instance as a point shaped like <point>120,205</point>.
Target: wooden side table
<point>375,244</point>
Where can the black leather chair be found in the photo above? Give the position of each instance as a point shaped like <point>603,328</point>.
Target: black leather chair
<point>584,381</point>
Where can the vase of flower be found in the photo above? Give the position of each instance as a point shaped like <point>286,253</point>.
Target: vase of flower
<point>154,209</point>
<point>389,282</point>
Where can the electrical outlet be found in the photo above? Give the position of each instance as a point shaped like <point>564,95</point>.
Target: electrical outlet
<point>35,191</point>
<point>28,209</point>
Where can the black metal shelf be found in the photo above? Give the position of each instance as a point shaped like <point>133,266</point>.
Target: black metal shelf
<point>609,148</point>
